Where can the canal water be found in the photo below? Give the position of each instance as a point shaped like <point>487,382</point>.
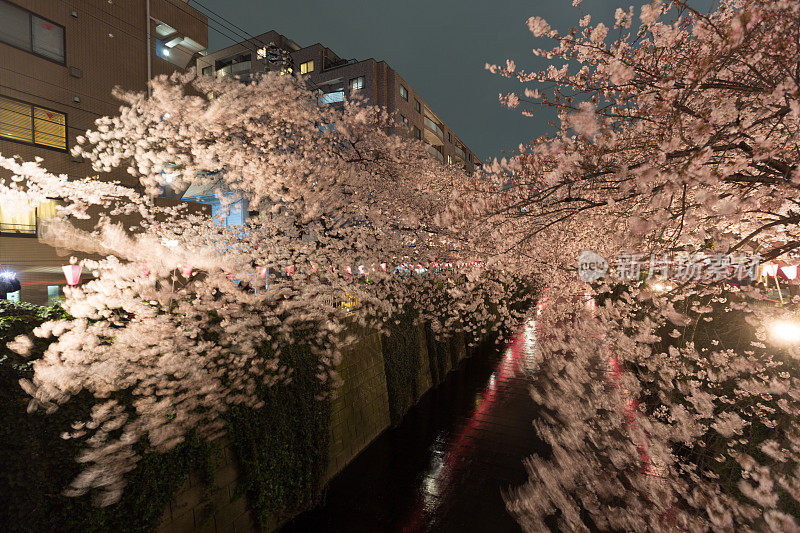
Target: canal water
<point>448,464</point>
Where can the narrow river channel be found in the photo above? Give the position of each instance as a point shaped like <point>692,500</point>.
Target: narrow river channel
<point>447,465</point>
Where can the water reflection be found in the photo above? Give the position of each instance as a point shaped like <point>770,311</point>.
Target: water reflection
<point>450,455</point>
<point>446,466</point>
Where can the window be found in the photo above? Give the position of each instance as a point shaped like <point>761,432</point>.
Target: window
<point>306,67</point>
<point>404,93</point>
<point>22,29</point>
<point>417,106</point>
<point>449,159</point>
<point>357,83</point>
<point>404,119</point>
<point>417,133</point>
<point>448,137</point>
<point>27,123</point>
<point>261,53</point>
<point>331,98</point>
<point>208,71</point>
<point>53,293</point>
<point>25,222</point>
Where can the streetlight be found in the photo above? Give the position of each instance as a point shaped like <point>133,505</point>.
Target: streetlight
<point>784,332</point>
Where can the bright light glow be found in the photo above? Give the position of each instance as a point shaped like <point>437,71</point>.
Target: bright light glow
<point>7,275</point>
<point>784,332</point>
<point>771,269</point>
<point>662,287</point>
<point>170,243</point>
<point>166,52</point>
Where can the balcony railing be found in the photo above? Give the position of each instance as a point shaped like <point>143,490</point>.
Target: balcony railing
<point>460,153</point>
<point>234,69</point>
<point>435,153</point>
<point>17,229</point>
<point>434,127</point>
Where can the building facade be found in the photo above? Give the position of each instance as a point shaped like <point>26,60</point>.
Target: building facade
<point>59,62</point>
<point>336,78</point>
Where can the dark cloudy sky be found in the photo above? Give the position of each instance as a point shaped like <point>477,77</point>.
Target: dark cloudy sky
<point>439,46</point>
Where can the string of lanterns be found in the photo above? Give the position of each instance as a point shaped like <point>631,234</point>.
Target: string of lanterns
<point>72,272</point>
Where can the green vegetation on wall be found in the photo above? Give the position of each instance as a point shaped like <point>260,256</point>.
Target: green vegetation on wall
<point>402,359</point>
<point>283,447</point>
<point>36,465</point>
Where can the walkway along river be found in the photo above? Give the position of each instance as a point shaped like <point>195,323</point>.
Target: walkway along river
<point>447,465</point>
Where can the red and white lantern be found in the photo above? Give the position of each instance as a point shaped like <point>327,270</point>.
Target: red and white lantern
<point>72,273</point>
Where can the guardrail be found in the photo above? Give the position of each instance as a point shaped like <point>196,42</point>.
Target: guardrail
<point>18,229</point>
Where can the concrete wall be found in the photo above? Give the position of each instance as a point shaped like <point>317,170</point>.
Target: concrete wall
<point>360,413</point>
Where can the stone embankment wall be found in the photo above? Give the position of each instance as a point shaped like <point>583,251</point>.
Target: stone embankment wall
<point>360,413</point>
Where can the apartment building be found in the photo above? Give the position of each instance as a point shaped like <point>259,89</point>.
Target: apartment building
<point>336,78</point>
<point>59,61</point>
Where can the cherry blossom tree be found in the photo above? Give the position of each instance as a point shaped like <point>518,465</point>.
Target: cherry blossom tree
<point>186,316</point>
<point>678,133</point>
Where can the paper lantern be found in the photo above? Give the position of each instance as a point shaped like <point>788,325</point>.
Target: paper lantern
<point>349,270</point>
<point>383,267</point>
<point>770,269</point>
<point>72,273</point>
<point>261,272</point>
<point>361,270</point>
<point>790,271</point>
<point>186,271</point>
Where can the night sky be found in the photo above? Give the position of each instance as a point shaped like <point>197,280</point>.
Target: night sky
<point>439,46</point>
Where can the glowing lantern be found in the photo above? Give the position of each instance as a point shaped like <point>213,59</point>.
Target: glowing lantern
<point>383,267</point>
<point>771,269</point>
<point>261,272</point>
<point>349,270</point>
<point>186,271</point>
<point>361,270</point>
<point>72,273</point>
<point>790,271</point>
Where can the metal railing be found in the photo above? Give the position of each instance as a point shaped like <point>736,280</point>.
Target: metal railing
<point>18,229</point>
<point>435,153</point>
<point>434,127</point>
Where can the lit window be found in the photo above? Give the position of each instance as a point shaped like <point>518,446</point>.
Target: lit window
<point>22,29</point>
<point>417,106</point>
<point>53,293</point>
<point>261,53</point>
<point>417,133</point>
<point>331,98</point>
<point>357,83</point>
<point>24,122</point>
<point>404,93</point>
<point>25,222</point>
<point>306,67</point>
<point>449,159</point>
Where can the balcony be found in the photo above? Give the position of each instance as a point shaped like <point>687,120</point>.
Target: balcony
<point>234,69</point>
<point>436,153</point>
<point>434,127</point>
<point>460,153</point>
<point>8,228</point>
